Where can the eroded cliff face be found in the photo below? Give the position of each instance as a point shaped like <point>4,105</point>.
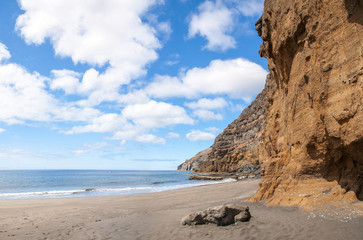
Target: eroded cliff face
<point>238,147</point>
<point>313,145</point>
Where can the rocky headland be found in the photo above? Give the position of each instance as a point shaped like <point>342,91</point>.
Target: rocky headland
<point>305,129</point>
<point>237,148</point>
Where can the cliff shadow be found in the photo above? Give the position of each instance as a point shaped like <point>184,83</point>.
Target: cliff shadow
<point>343,163</point>
<point>355,10</point>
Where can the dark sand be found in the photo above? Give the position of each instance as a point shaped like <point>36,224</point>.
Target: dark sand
<point>157,216</point>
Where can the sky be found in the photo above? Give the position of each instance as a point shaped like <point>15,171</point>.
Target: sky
<point>119,84</point>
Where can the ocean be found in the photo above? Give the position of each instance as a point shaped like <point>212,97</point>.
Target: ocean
<point>25,184</point>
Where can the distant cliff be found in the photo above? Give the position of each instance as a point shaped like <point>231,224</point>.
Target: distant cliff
<point>238,147</point>
<point>192,164</point>
<point>313,146</point>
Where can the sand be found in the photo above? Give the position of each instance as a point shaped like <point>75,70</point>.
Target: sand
<point>157,216</point>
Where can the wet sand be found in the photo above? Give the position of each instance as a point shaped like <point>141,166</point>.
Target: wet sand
<point>157,216</point>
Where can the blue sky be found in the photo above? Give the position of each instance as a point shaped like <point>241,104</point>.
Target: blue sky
<point>109,84</point>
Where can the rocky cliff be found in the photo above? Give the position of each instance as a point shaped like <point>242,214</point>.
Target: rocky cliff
<point>313,146</point>
<point>237,148</point>
<point>306,127</point>
<point>192,164</point>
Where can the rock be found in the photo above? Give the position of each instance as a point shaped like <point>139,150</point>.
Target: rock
<point>193,163</point>
<point>221,215</point>
<point>314,123</point>
<point>258,26</point>
<point>205,178</point>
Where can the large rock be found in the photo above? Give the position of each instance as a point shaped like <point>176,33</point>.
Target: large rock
<point>313,146</point>
<point>221,215</point>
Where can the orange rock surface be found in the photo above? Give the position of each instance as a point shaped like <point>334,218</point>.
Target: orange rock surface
<point>313,145</point>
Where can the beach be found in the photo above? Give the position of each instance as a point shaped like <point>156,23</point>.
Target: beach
<point>157,216</point>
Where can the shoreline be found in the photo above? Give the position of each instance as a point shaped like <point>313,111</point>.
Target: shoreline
<point>157,215</point>
<point>99,192</point>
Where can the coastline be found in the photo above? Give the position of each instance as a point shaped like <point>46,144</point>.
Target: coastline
<point>157,216</point>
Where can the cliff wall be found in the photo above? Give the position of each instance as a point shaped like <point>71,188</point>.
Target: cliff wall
<point>313,145</point>
<point>238,147</point>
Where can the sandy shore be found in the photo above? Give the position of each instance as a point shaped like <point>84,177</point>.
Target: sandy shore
<point>157,216</point>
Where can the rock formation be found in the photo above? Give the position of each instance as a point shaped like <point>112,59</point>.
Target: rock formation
<point>306,127</point>
<point>238,147</point>
<point>221,215</point>
<point>313,145</point>
<point>193,163</point>
<point>240,143</point>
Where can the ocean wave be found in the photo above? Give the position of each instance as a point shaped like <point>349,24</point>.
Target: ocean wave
<point>107,191</point>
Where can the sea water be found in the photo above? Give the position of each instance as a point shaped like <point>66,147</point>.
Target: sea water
<point>24,184</point>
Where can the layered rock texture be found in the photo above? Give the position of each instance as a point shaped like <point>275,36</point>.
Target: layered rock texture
<point>313,145</point>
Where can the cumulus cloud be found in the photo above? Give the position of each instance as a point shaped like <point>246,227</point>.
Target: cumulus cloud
<point>4,53</point>
<point>156,114</point>
<point>101,33</point>
<point>207,115</point>
<point>2,130</point>
<point>214,21</point>
<point>105,123</point>
<point>199,136</point>
<point>217,20</point>
<point>237,78</point>
<point>24,97</point>
<point>206,103</point>
<point>65,80</point>
<point>136,120</point>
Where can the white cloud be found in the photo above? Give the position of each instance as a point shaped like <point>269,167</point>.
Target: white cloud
<point>110,122</point>
<point>137,134</point>
<point>238,78</point>
<point>2,130</point>
<point>66,80</point>
<point>166,86</point>
<point>150,138</point>
<point>207,115</point>
<point>4,53</point>
<point>24,97</point>
<point>90,147</point>
<point>214,21</point>
<point>172,135</point>
<point>135,121</point>
<point>156,114</point>
<point>218,20</point>
<point>206,103</point>
<point>200,136</point>
<point>98,32</point>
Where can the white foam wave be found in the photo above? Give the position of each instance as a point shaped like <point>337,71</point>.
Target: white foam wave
<point>105,191</point>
